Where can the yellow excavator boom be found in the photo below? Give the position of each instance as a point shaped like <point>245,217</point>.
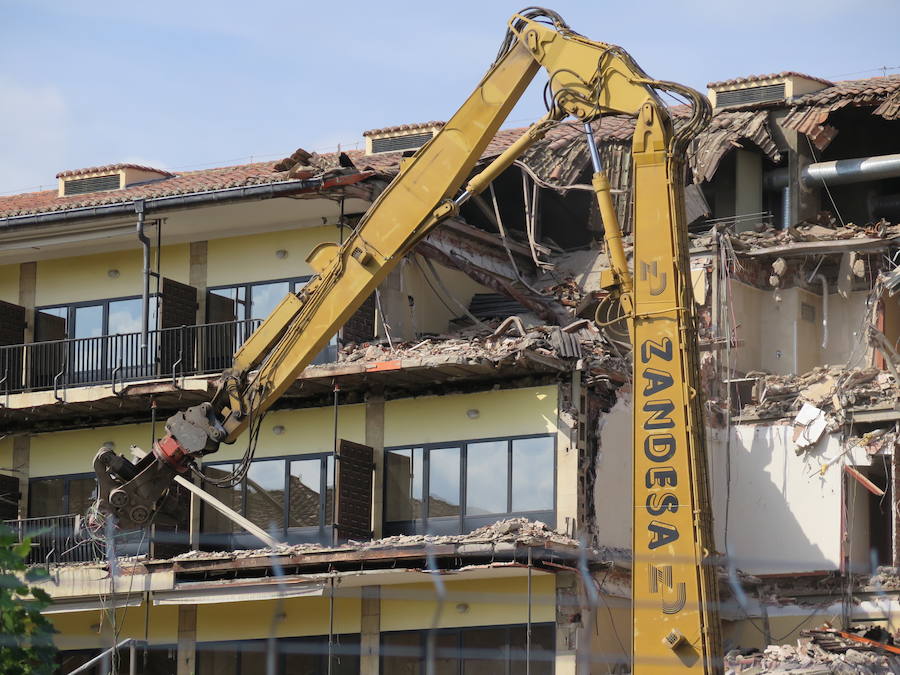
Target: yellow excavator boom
<point>675,621</point>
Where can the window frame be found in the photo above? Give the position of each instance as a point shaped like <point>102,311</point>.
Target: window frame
<point>248,291</point>
<point>459,632</point>
<point>467,522</point>
<point>102,302</point>
<point>323,529</point>
<point>68,478</point>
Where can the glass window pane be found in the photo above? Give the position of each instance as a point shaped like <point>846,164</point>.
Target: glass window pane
<point>125,316</point>
<point>484,650</point>
<point>226,304</point>
<point>443,486</point>
<point>302,655</point>
<point>88,321</point>
<point>329,490</point>
<point>264,297</point>
<point>305,493</point>
<point>47,497</point>
<point>543,649</point>
<point>254,655</point>
<point>403,484</point>
<point>213,521</point>
<point>216,659</point>
<point>486,477</point>
<point>446,653</point>
<point>265,493</point>
<point>532,478</point>
<point>402,653</point>
<point>81,492</point>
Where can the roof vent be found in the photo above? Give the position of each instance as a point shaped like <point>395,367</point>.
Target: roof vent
<point>399,138</point>
<point>104,178</point>
<point>761,89</point>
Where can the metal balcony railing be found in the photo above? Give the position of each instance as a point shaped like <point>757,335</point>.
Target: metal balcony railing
<point>115,359</point>
<point>56,539</point>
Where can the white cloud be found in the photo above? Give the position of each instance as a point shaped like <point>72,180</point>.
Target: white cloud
<point>33,135</point>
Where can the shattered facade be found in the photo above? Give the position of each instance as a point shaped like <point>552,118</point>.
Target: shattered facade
<point>495,411</point>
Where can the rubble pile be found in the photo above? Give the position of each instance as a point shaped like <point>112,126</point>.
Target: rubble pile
<point>510,531</point>
<point>487,344</point>
<point>809,658</point>
<point>827,229</point>
<point>831,389</point>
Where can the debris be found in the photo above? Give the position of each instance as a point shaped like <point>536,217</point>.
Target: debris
<point>829,388</point>
<point>865,482</point>
<point>511,531</point>
<point>809,425</point>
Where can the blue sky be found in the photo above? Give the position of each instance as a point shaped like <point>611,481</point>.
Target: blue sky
<point>191,84</point>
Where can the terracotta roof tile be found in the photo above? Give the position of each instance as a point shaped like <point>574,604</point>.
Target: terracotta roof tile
<point>772,76</point>
<point>870,91</point>
<point>110,167</point>
<point>403,127</point>
<point>205,180</point>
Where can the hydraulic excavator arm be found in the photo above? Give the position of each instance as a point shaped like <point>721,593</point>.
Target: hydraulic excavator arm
<point>674,615</point>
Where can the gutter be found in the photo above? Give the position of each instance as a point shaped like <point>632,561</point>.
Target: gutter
<point>126,208</point>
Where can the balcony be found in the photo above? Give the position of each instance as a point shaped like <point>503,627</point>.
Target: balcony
<point>173,353</point>
<point>56,540</point>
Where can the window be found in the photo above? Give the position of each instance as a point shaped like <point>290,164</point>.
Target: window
<point>293,656</point>
<point>88,358</point>
<point>469,484</point>
<point>292,496</point>
<point>95,318</point>
<point>472,650</point>
<point>60,495</point>
<point>254,302</point>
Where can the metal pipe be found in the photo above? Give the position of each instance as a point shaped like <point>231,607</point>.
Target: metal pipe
<point>839,172</point>
<point>824,282</point>
<point>145,292</point>
<point>592,146</point>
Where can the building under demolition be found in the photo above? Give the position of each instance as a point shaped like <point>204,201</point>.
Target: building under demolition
<point>480,418</point>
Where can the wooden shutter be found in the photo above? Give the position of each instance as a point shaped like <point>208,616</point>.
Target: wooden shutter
<point>12,324</point>
<point>219,340</point>
<point>12,332</point>
<point>353,487</point>
<point>178,307</point>
<point>9,497</point>
<point>47,360</point>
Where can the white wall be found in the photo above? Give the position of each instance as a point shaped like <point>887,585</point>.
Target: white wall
<point>775,337</point>
<point>783,515</point>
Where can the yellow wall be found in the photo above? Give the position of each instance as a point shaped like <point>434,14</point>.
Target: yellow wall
<point>303,616</point>
<point>252,258</point>
<point>9,283</point>
<point>91,630</point>
<point>66,452</point>
<point>434,419</point>
<point>414,420</point>
<point>86,277</point>
<point>490,602</point>
<point>305,431</point>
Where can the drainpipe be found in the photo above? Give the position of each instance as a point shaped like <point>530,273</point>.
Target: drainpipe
<point>145,295</point>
